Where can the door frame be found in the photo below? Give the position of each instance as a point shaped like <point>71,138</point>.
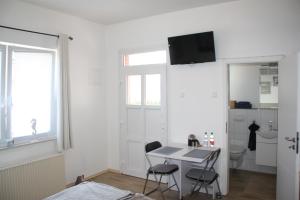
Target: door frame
<point>298,128</point>
<point>225,71</point>
<point>122,93</point>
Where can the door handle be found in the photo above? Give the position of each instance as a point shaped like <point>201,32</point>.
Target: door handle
<point>295,140</point>
<point>292,147</point>
<point>290,139</point>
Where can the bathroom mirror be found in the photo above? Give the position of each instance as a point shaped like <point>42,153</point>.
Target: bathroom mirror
<point>256,83</point>
<point>268,84</point>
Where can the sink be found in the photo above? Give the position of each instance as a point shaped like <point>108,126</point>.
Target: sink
<point>266,147</point>
<point>267,134</point>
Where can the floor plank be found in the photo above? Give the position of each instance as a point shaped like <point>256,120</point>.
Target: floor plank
<point>244,185</point>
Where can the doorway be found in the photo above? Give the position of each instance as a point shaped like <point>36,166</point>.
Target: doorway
<point>253,128</point>
<point>142,107</point>
<point>287,142</point>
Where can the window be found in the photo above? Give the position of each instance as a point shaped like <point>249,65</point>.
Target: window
<point>27,93</point>
<point>146,58</point>
<point>2,64</point>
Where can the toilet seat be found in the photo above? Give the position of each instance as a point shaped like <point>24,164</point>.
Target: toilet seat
<point>236,149</point>
<point>236,154</point>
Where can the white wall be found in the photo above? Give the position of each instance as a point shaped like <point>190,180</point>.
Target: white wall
<point>242,29</point>
<point>244,83</point>
<point>89,155</point>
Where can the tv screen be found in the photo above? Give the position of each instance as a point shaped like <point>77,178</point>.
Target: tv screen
<point>193,48</point>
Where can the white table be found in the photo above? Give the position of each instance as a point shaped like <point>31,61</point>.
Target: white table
<point>184,163</point>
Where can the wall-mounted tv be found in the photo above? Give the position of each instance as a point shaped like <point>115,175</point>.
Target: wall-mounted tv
<point>193,48</point>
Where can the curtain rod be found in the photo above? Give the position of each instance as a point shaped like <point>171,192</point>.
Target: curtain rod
<point>29,31</point>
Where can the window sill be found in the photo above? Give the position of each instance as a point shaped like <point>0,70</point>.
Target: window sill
<point>34,141</point>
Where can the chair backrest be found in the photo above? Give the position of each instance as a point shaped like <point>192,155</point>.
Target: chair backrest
<point>152,146</point>
<point>211,160</point>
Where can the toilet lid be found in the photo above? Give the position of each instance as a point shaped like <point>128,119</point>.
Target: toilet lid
<point>236,149</point>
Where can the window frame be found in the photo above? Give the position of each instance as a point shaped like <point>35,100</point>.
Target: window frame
<point>6,83</point>
<point>2,93</point>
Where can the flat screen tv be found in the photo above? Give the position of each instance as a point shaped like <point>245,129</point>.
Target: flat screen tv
<point>193,48</point>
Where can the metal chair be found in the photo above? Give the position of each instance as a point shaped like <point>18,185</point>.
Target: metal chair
<point>160,169</point>
<point>207,175</point>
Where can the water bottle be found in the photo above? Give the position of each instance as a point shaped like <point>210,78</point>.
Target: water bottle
<point>205,139</point>
<point>212,139</point>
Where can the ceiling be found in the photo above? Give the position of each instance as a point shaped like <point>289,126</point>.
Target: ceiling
<point>114,11</point>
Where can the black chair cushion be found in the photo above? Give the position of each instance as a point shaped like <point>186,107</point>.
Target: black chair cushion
<point>163,169</point>
<point>206,176</point>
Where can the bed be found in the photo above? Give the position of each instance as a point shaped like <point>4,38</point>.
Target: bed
<point>96,191</point>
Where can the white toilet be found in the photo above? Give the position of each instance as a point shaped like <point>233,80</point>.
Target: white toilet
<point>236,153</point>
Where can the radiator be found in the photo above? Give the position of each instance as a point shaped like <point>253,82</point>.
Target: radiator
<point>34,180</point>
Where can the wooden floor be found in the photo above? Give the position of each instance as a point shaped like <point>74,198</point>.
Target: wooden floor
<point>244,185</point>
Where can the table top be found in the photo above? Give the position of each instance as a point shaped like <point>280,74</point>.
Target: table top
<point>190,154</point>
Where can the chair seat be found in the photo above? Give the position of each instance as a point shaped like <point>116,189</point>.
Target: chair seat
<point>207,176</point>
<point>163,169</point>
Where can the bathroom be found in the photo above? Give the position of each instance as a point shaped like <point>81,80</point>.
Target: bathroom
<point>253,117</point>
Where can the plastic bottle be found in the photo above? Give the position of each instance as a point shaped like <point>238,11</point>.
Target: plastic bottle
<point>205,139</point>
<point>212,139</point>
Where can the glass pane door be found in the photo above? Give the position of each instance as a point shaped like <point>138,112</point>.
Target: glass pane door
<point>153,90</point>
<point>134,90</point>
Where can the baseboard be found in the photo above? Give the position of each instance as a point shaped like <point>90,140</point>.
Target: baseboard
<point>70,184</point>
<point>114,171</point>
<point>95,175</point>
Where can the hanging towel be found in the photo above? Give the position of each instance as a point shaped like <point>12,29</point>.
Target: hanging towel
<point>252,137</point>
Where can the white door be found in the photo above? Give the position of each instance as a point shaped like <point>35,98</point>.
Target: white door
<point>143,111</point>
<point>287,175</point>
<point>298,131</point>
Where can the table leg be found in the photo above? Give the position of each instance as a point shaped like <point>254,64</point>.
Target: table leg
<point>213,190</point>
<point>180,180</point>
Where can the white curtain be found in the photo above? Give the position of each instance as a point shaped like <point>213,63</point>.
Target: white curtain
<point>64,140</point>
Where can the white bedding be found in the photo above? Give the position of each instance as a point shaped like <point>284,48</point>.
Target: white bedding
<point>91,191</point>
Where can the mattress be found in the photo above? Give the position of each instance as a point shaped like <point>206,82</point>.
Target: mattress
<point>95,191</point>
